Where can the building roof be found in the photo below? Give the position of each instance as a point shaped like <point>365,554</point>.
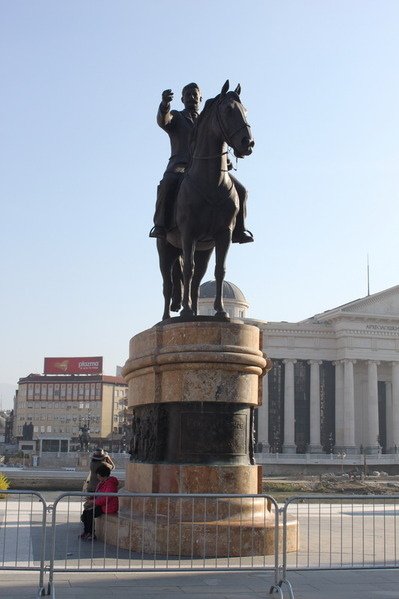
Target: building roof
<point>384,304</point>
<point>72,378</point>
<point>230,291</point>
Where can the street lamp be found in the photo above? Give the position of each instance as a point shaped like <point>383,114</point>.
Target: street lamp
<point>342,455</point>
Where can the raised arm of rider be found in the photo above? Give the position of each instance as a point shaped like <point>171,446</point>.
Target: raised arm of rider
<point>164,116</point>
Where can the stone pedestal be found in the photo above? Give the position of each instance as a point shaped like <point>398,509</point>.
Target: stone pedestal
<point>193,387</point>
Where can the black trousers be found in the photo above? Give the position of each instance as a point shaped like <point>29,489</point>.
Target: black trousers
<point>166,197</point>
<point>88,516</point>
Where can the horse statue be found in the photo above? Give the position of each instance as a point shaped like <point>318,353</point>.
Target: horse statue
<point>206,206</point>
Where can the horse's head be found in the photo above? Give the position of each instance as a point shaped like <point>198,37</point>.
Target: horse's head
<point>233,123</point>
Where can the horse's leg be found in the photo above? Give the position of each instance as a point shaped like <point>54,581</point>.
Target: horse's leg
<point>188,246</point>
<point>222,244</point>
<point>177,280</point>
<point>201,264</point>
<point>167,257</point>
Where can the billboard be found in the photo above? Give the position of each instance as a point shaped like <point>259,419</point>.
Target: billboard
<point>73,365</point>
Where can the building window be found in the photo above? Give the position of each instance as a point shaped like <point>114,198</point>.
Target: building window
<point>51,445</point>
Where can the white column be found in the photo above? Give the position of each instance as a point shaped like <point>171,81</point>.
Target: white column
<point>289,408</point>
<point>339,405</point>
<point>263,416</point>
<point>349,407</point>
<point>372,407</point>
<point>395,407</point>
<point>315,443</point>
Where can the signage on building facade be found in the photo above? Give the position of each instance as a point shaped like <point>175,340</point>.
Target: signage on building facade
<point>73,365</point>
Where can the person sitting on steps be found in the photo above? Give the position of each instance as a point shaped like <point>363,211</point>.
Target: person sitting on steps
<point>179,125</point>
<point>97,506</point>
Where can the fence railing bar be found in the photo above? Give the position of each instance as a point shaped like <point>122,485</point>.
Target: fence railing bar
<point>330,537</point>
<point>385,538</point>
<point>363,534</point>
<point>192,530</point>
<point>373,533</point>
<point>5,527</point>
<point>130,526</point>
<point>167,532</point>
<point>352,533</point>
<point>142,532</point>
<point>395,533</point>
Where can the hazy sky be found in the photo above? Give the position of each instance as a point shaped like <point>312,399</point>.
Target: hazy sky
<point>81,156</point>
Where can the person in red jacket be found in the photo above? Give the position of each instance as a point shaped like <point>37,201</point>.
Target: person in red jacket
<point>97,506</point>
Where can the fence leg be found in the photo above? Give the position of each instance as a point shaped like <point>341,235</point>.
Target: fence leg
<point>290,589</point>
<point>275,588</point>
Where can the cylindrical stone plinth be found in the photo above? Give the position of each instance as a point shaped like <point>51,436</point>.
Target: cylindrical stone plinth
<point>207,361</point>
<point>193,387</point>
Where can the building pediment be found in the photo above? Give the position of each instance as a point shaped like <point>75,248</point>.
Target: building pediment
<point>379,306</point>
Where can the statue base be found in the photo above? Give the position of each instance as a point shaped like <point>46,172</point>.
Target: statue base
<point>193,387</point>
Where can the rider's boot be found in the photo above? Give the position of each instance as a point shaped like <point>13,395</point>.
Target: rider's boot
<point>240,233</point>
<point>158,231</point>
<point>242,236</point>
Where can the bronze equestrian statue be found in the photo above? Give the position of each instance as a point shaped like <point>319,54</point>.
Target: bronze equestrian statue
<point>210,206</point>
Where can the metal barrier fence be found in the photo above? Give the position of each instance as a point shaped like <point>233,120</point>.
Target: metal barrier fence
<point>23,533</point>
<point>168,533</point>
<point>199,533</point>
<point>151,532</point>
<point>341,532</point>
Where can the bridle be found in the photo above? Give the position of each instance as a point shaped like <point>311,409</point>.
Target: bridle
<point>221,125</point>
<point>227,137</point>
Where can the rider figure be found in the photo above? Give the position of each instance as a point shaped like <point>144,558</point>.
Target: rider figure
<point>179,126</point>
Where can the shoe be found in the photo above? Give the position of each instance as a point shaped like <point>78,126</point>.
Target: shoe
<point>90,537</point>
<point>83,536</point>
<point>243,236</point>
<point>158,232</point>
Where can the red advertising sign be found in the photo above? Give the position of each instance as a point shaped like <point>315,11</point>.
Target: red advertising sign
<point>73,365</point>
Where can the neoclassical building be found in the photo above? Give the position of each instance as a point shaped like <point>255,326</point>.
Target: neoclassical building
<point>334,385</point>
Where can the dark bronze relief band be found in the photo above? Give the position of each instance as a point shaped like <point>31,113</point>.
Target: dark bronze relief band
<point>192,433</point>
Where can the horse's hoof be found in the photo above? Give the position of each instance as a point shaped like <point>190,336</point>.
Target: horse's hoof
<point>221,314</point>
<point>186,313</point>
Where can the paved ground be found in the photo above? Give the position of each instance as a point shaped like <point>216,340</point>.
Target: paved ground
<point>253,585</point>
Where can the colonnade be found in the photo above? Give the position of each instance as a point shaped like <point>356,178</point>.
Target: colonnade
<point>344,408</point>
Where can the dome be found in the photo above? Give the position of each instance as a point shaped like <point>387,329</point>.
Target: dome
<point>230,291</point>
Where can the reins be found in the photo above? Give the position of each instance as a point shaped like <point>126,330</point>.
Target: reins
<point>209,157</point>
<point>226,137</point>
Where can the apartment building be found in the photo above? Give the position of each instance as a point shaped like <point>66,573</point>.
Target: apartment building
<point>71,410</point>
